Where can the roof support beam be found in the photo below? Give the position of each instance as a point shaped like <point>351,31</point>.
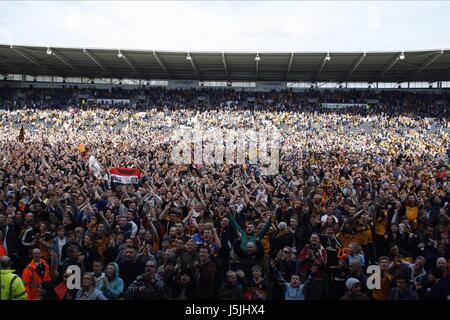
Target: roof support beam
<point>356,64</point>
<point>63,59</point>
<point>388,66</point>
<point>290,64</point>
<point>324,61</point>
<point>4,61</point>
<point>28,57</point>
<point>423,66</point>
<point>130,63</point>
<point>96,61</point>
<point>191,60</point>
<point>224,61</point>
<point>429,61</point>
<point>161,63</point>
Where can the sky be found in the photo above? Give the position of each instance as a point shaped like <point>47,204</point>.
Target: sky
<point>228,26</point>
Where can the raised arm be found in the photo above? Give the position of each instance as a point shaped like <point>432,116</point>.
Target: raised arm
<point>265,228</point>
<point>233,223</point>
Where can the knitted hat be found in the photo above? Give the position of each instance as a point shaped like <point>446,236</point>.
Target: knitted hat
<point>351,282</point>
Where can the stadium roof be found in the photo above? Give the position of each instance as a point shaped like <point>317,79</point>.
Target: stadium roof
<point>428,65</point>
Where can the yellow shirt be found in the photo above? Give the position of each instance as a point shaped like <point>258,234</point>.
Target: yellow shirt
<point>380,226</point>
<point>412,212</point>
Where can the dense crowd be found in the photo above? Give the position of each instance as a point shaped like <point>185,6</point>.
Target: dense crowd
<point>355,187</point>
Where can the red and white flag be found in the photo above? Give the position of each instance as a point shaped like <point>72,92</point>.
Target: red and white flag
<point>125,175</point>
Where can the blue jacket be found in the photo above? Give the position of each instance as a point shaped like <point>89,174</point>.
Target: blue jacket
<point>358,257</point>
<point>291,293</point>
<point>115,289</point>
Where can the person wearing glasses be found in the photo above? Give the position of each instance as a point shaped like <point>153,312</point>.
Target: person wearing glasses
<point>285,264</point>
<point>148,286</point>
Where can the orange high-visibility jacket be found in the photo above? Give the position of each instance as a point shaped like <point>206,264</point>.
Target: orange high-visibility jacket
<point>32,280</point>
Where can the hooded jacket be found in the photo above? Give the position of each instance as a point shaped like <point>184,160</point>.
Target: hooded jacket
<point>32,280</point>
<point>115,288</point>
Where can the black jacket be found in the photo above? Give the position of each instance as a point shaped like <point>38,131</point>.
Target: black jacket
<point>154,289</point>
<point>130,271</point>
<point>11,238</point>
<point>439,291</point>
<point>229,292</point>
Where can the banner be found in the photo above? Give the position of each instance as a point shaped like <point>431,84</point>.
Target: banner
<point>343,105</point>
<point>110,101</point>
<point>125,175</point>
<point>94,166</point>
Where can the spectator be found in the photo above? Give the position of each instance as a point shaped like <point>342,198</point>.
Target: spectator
<point>257,288</point>
<point>12,286</point>
<point>403,290</point>
<point>385,281</point>
<point>313,259</point>
<point>37,272</point>
<point>293,290</point>
<point>97,271</point>
<point>131,267</point>
<point>438,286</point>
<point>111,285</point>
<point>230,289</point>
<point>205,271</point>
<point>354,290</point>
<point>88,290</point>
<point>147,286</point>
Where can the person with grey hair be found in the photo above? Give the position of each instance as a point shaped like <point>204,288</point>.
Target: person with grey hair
<point>284,237</point>
<point>12,287</point>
